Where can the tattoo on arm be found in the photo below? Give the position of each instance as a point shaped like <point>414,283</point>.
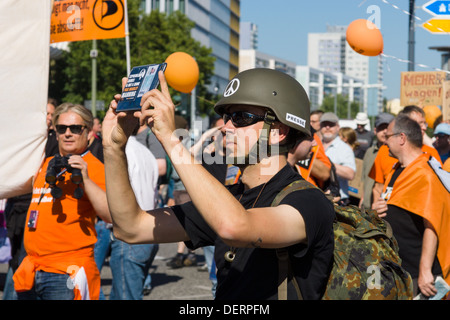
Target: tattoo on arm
<point>257,243</point>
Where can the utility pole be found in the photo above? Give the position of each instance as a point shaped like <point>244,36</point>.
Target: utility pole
<point>94,54</point>
<point>411,36</point>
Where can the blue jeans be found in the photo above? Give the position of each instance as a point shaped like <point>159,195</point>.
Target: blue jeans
<point>102,248</point>
<point>49,286</point>
<point>129,264</point>
<point>209,257</point>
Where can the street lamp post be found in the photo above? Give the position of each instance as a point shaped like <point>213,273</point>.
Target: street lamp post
<point>411,36</point>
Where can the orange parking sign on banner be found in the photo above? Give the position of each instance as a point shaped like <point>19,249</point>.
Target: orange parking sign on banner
<point>74,20</point>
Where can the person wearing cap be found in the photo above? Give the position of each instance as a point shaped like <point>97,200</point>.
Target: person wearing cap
<point>381,123</point>
<point>384,161</point>
<point>265,113</point>
<point>442,142</point>
<point>364,136</point>
<point>339,152</point>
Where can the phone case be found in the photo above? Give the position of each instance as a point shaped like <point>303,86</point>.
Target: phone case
<point>141,79</point>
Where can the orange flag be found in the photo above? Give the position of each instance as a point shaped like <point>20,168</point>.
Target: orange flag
<point>79,20</point>
<point>420,189</point>
<point>305,166</point>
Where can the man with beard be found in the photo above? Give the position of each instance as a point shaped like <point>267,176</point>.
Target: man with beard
<point>340,153</point>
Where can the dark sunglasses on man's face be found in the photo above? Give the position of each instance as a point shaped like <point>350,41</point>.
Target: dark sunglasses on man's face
<point>74,128</point>
<point>242,118</point>
<point>327,124</point>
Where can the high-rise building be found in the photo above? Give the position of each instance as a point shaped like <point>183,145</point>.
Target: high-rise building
<point>248,37</point>
<point>216,27</point>
<point>250,59</point>
<point>319,83</point>
<point>330,52</point>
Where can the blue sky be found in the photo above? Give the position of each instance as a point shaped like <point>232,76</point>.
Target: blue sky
<point>283,27</point>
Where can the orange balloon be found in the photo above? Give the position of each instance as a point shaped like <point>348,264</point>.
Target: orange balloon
<point>364,37</point>
<point>182,72</point>
<point>431,114</point>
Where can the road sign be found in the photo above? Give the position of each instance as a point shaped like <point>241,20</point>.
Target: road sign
<point>437,26</point>
<point>437,7</point>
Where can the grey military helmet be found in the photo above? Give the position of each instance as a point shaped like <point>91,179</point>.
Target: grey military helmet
<point>273,90</point>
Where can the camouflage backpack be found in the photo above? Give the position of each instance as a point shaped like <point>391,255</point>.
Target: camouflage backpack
<point>366,263</point>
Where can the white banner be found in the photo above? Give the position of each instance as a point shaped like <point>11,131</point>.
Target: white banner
<point>24,67</point>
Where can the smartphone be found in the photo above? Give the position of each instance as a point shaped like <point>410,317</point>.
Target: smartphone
<point>140,80</point>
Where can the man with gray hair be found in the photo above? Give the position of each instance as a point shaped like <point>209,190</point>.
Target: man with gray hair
<point>339,152</point>
<point>416,203</point>
<point>384,162</point>
<point>60,226</point>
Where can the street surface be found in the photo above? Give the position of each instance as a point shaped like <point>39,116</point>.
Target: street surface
<point>187,283</point>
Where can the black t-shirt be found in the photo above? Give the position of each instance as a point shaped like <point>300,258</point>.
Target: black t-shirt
<point>51,147</point>
<point>217,170</point>
<point>408,229</point>
<point>254,272</point>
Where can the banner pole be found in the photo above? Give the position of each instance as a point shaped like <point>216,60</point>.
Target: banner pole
<point>127,39</point>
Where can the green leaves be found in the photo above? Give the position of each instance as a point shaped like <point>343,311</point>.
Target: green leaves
<point>152,39</point>
<point>342,106</point>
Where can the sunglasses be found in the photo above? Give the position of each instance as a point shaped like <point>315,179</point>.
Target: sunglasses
<point>242,118</point>
<point>74,128</point>
<point>327,124</point>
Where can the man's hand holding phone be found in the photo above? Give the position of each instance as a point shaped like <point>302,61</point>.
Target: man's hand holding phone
<point>156,109</point>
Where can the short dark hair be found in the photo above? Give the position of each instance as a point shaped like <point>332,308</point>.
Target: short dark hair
<point>294,137</point>
<point>319,112</point>
<point>410,109</point>
<point>52,101</point>
<point>411,129</point>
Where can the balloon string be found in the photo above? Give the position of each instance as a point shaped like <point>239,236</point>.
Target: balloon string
<point>414,16</point>
<point>417,64</point>
<point>206,100</point>
<point>404,11</point>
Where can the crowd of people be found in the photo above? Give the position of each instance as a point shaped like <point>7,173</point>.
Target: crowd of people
<point>119,187</point>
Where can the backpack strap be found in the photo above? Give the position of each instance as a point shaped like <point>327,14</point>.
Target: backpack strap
<point>284,270</point>
<point>293,186</point>
<point>284,265</point>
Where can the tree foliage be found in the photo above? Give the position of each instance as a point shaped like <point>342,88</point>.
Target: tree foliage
<point>152,39</point>
<point>342,106</point>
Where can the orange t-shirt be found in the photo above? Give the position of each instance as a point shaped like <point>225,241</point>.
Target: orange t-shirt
<point>64,224</point>
<point>384,163</point>
<point>63,238</point>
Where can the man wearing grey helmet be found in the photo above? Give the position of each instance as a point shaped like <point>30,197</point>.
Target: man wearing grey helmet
<point>266,113</point>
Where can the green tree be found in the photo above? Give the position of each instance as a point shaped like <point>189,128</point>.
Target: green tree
<point>342,106</point>
<point>152,38</point>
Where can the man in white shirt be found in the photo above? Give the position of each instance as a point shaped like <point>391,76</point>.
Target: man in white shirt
<point>339,152</point>
<point>130,263</point>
